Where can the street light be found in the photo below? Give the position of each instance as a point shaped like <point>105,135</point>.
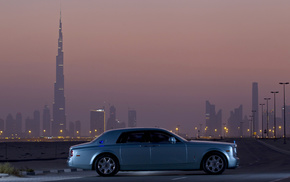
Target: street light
<point>253,121</point>
<point>284,83</point>
<point>262,119</point>
<point>251,126</point>
<point>267,99</point>
<point>275,92</point>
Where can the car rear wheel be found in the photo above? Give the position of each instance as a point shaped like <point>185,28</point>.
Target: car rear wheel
<point>214,163</point>
<point>106,165</point>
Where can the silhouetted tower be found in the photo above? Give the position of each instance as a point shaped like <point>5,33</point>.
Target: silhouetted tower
<point>235,122</point>
<point>97,122</point>
<point>46,121</point>
<point>112,122</point>
<point>255,108</point>
<point>59,117</point>
<point>132,118</point>
<point>213,121</point>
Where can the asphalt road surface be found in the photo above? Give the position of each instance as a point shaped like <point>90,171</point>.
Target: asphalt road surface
<point>258,164</point>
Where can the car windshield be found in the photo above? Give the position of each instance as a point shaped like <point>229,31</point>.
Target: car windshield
<point>179,137</point>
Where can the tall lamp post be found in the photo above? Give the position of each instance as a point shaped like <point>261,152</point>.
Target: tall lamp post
<point>275,130</point>
<point>253,121</point>
<point>251,126</point>
<point>284,83</point>
<point>267,131</point>
<point>262,119</point>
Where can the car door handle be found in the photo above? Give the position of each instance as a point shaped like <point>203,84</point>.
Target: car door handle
<point>149,145</point>
<point>145,145</point>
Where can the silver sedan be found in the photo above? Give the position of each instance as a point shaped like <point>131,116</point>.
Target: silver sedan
<point>148,149</point>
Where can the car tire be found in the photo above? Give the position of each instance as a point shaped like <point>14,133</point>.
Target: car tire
<point>107,165</point>
<point>214,163</point>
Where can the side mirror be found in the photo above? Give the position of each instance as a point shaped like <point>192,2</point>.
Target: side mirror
<point>172,140</point>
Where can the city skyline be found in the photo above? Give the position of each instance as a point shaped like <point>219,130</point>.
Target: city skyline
<point>165,61</point>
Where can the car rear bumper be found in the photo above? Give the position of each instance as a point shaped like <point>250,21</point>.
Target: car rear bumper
<point>69,162</point>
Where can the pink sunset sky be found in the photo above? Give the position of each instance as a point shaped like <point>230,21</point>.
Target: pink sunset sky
<point>163,58</point>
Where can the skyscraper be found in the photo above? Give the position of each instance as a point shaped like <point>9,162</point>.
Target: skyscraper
<point>132,118</point>
<point>235,122</point>
<point>46,121</point>
<point>255,108</point>
<point>112,123</point>
<point>59,117</point>
<point>213,121</point>
<point>97,122</point>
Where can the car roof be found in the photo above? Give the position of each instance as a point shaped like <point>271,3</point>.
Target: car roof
<point>111,136</point>
<point>136,129</point>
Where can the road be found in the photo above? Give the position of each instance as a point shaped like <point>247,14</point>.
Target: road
<point>258,164</point>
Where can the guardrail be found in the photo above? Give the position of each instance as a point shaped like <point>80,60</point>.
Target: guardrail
<point>20,151</point>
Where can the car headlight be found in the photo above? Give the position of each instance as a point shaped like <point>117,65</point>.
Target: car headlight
<point>235,153</point>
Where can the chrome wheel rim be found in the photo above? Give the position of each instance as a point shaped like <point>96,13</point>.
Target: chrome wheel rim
<point>106,165</point>
<point>214,164</point>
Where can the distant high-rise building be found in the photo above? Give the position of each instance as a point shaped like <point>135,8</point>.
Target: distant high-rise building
<point>10,125</point>
<point>112,123</point>
<point>213,121</point>
<point>59,117</point>
<point>235,122</point>
<point>132,118</point>
<point>46,120</point>
<point>78,128</point>
<point>18,125</point>
<point>255,108</point>
<point>97,122</point>
<point>2,129</point>
<point>36,123</point>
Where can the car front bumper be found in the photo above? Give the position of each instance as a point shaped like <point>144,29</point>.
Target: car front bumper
<point>234,163</point>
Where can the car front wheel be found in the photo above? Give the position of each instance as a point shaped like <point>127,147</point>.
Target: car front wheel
<point>106,165</point>
<point>214,163</point>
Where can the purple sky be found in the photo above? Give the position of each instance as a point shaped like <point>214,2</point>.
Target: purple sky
<point>163,58</point>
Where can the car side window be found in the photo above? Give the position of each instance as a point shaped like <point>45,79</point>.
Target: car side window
<point>159,137</point>
<point>132,137</point>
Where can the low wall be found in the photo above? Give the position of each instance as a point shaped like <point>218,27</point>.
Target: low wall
<point>18,151</point>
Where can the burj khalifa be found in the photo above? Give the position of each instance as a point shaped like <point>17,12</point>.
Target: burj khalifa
<point>59,117</point>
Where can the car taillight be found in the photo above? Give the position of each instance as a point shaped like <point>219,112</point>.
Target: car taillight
<point>71,153</point>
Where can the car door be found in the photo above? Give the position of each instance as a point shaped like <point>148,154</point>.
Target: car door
<point>134,151</point>
<point>164,154</point>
